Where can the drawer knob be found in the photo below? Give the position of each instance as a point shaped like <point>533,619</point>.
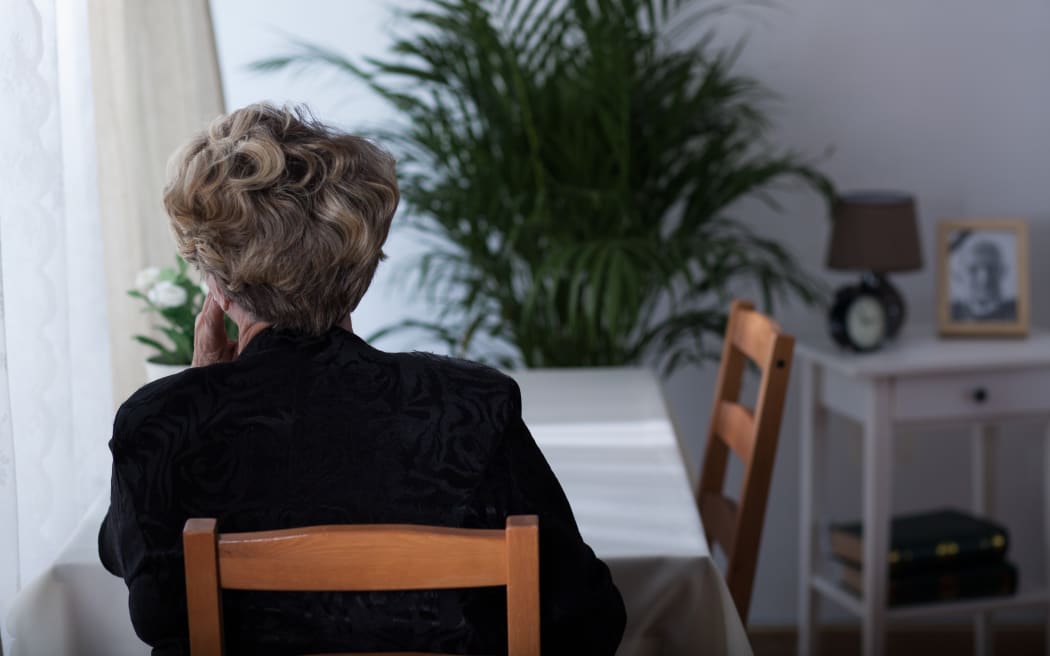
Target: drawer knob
<point>980,394</point>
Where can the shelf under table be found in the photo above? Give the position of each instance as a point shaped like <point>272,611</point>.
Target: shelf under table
<point>852,601</point>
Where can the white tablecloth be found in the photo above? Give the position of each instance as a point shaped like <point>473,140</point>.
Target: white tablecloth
<point>608,438</point>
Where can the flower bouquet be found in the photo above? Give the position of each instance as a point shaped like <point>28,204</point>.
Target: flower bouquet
<point>170,294</point>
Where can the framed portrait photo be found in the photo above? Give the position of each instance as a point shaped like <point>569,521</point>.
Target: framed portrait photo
<point>982,277</point>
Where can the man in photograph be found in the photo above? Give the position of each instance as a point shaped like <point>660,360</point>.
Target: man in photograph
<point>984,299</point>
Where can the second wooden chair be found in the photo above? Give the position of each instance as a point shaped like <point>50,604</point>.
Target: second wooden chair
<point>751,435</point>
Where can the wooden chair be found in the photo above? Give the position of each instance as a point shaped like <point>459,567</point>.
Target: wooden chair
<point>362,558</point>
<point>751,435</point>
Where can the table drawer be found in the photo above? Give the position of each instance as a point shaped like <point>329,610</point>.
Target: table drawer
<point>972,394</point>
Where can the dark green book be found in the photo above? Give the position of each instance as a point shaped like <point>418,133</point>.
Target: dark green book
<point>941,539</point>
<point>967,582</point>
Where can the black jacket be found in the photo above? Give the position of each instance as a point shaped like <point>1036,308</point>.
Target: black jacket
<point>327,430</point>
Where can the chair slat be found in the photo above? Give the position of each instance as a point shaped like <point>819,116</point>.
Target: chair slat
<point>754,334</point>
<point>399,557</point>
<point>736,427</point>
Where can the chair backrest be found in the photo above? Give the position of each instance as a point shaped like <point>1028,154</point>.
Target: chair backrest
<point>362,558</point>
<point>749,433</point>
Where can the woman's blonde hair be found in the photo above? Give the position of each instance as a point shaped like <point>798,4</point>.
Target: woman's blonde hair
<point>288,215</point>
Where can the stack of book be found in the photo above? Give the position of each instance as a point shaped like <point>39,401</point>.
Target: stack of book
<point>934,556</point>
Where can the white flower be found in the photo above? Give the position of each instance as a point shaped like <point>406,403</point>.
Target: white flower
<point>146,278</point>
<point>166,294</point>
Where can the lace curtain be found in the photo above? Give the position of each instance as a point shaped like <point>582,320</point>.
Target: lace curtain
<point>149,68</point>
<point>55,399</point>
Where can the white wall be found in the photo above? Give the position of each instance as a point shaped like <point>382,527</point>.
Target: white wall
<point>948,100</point>
<point>249,30</point>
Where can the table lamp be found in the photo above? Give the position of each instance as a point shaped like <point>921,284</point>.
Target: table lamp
<point>874,232</point>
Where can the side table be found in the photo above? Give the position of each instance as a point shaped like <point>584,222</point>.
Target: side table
<point>919,379</point>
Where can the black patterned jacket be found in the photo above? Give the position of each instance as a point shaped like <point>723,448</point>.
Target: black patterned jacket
<point>327,430</point>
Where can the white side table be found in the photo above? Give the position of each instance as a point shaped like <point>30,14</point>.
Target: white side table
<point>919,379</point>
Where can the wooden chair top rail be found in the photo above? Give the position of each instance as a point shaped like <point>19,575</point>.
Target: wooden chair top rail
<point>400,557</point>
<point>754,334</point>
<point>355,532</point>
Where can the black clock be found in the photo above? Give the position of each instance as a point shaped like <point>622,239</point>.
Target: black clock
<point>859,319</point>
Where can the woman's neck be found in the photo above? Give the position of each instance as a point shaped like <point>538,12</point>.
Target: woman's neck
<point>247,331</point>
<point>248,328</point>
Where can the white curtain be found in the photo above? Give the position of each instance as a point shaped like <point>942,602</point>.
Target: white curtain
<point>9,563</point>
<point>156,82</point>
<point>149,69</point>
<point>55,392</point>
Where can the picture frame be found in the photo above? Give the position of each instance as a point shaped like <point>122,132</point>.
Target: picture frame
<point>982,269</point>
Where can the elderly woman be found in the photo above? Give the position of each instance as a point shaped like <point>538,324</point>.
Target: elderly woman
<point>301,422</point>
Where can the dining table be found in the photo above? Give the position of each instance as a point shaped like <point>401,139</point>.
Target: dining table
<point>609,437</point>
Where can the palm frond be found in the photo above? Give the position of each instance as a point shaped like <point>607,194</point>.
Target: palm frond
<point>573,175</point>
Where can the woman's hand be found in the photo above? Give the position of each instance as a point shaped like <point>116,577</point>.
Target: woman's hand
<point>210,343</point>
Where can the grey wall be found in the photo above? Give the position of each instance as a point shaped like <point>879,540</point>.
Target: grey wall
<point>947,99</point>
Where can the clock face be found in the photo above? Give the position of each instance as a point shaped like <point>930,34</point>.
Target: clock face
<point>866,322</point>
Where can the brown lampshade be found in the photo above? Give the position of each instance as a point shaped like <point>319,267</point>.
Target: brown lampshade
<point>874,231</point>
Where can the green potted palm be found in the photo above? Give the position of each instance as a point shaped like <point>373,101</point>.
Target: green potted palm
<point>574,172</point>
